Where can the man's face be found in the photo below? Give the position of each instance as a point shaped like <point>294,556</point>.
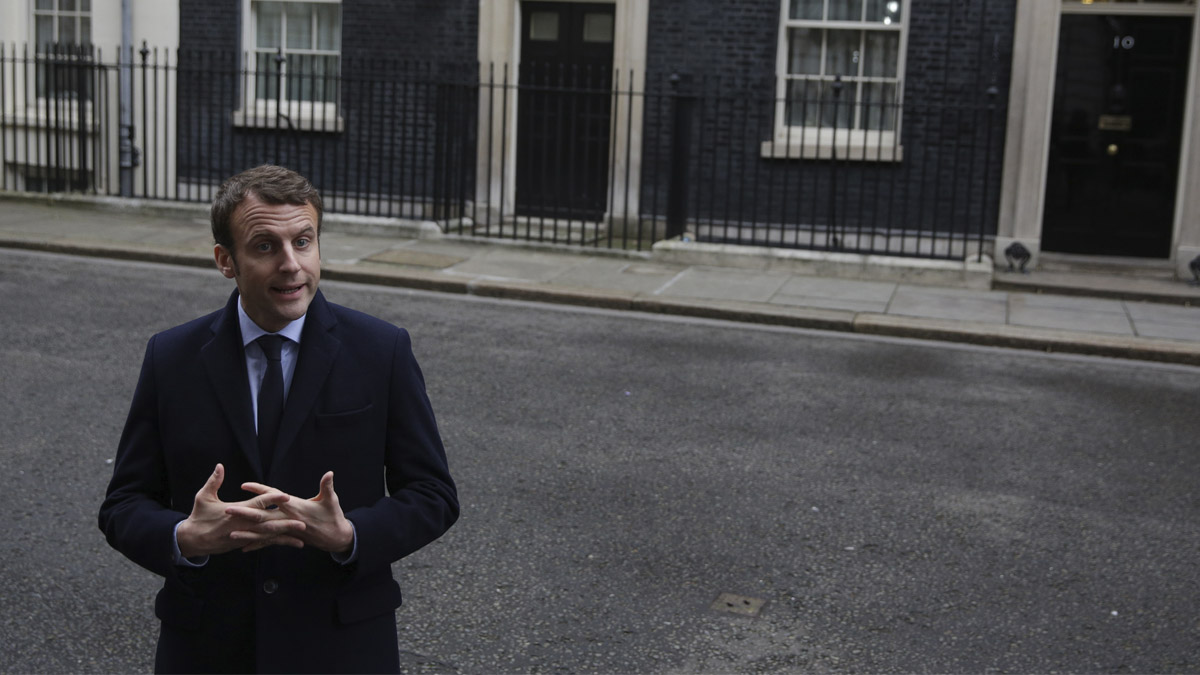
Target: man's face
<point>276,260</point>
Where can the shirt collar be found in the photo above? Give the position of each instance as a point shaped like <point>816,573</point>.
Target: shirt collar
<point>251,331</point>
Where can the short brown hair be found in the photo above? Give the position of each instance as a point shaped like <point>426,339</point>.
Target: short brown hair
<point>270,183</point>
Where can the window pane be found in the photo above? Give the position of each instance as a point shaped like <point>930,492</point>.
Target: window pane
<point>802,103</point>
<point>299,77</point>
<point>312,78</point>
<point>884,11</point>
<point>45,4</point>
<point>329,27</point>
<point>543,26</point>
<point>299,25</point>
<point>845,10</point>
<point>85,31</point>
<point>879,107</point>
<point>327,83</point>
<point>85,5</point>
<point>268,21</point>
<point>597,27</point>
<point>45,31</point>
<point>804,51</point>
<point>66,5</point>
<point>264,86</point>
<point>807,9</point>
<point>66,30</point>
<point>882,54</point>
<point>841,56</point>
<point>837,109</point>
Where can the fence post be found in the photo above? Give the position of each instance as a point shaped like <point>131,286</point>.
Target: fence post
<point>127,159</point>
<point>82,96</point>
<point>681,143</point>
<point>992,92</point>
<point>834,239</point>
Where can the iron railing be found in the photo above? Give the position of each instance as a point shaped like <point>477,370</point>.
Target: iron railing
<point>545,153</point>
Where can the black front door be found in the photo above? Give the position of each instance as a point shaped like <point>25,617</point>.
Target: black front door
<point>564,109</point>
<point>1115,135</point>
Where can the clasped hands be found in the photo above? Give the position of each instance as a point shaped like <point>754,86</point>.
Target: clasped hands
<point>272,518</point>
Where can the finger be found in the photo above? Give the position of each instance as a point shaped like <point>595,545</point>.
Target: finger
<point>269,500</point>
<point>267,495</point>
<point>210,487</point>
<point>257,488</point>
<point>326,490</point>
<point>288,541</point>
<point>253,514</point>
<point>264,531</point>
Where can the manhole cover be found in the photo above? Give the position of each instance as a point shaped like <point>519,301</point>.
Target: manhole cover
<point>738,604</point>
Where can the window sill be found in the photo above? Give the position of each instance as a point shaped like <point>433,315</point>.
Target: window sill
<point>334,124</point>
<point>849,151</point>
<point>39,119</point>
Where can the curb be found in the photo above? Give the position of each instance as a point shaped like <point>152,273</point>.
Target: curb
<point>865,323</point>
<point>1037,339</point>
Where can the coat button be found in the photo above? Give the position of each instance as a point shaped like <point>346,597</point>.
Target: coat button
<point>270,586</point>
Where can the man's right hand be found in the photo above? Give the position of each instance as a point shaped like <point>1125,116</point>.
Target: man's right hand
<point>210,530</point>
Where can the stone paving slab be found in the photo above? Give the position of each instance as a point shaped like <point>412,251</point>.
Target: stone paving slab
<point>949,303</point>
<point>726,284</point>
<point>518,265</point>
<point>405,256</point>
<point>845,294</point>
<point>1165,321</point>
<point>1159,313</point>
<point>1170,331</point>
<point>340,248</point>
<point>618,274</point>
<point>1054,311</point>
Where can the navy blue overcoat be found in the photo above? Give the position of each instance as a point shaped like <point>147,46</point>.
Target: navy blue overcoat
<point>357,406</point>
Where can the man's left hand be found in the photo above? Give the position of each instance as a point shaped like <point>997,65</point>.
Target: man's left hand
<point>326,526</point>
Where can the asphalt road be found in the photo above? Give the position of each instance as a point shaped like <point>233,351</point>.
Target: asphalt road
<point>896,505</point>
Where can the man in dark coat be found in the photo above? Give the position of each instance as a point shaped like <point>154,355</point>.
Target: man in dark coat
<point>241,420</point>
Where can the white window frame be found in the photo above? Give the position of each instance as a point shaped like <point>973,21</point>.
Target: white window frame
<point>56,14</point>
<point>262,112</point>
<point>810,142</point>
<point>70,47</point>
<point>39,107</point>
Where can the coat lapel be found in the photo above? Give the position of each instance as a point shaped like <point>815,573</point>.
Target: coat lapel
<point>225,361</point>
<point>318,349</point>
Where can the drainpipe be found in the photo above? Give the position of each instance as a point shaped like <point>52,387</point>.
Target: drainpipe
<point>127,158</point>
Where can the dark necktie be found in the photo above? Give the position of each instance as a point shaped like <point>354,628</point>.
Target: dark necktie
<point>270,400</point>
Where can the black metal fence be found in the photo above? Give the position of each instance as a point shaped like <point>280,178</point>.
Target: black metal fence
<point>544,153</point>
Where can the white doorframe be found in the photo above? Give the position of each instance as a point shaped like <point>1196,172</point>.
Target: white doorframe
<point>499,52</point>
<point>1031,105</point>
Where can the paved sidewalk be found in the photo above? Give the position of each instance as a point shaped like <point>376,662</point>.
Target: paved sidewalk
<point>1155,320</point>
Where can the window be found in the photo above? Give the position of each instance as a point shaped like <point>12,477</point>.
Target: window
<point>839,65</point>
<point>62,22</point>
<point>295,48</point>
<point>63,38</point>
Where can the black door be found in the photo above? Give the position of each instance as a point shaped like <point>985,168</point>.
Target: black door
<point>563,109</point>
<point>1115,135</point>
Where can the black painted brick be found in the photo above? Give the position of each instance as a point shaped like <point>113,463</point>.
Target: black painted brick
<point>726,50</point>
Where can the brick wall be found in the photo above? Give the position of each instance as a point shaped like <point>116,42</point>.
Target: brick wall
<point>726,51</point>
<point>426,30</point>
<point>394,131</point>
